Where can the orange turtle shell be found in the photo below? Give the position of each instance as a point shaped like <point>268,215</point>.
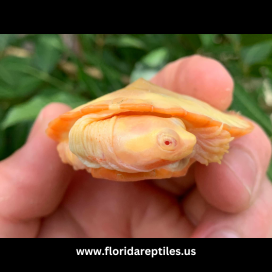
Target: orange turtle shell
<point>142,97</point>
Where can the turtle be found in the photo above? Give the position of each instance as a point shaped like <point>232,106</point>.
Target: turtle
<point>144,131</point>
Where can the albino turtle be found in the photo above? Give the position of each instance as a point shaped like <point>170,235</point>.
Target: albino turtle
<point>144,132</point>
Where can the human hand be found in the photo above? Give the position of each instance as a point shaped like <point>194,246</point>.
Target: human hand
<point>42,197</point>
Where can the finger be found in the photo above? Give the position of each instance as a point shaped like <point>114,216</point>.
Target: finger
<point>253,222</point>
<point>194,206</point>
<point>19,229</point>
<point>33,180</point>
<point>234,185</point>
<point>201,77</point>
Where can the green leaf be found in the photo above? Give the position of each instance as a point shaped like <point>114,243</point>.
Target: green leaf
<point>6,92</point>
<point>256,53</point>
<point>16,136</point>
<point>125,41</point>
<point>235,38</point>
<point>2,138</point>
<point>14,82</point>
<point>251,39</point>
<point>141,71</point>
<point>86,41</point>
<point>207,39</point>
<point>5,39</point>
<point>111,60</point>
<point>156,58</point>
<point>5,75</point>
<point>2,144</point>
<point>269,172</point>
<point>48,52</point>
<point>21,79</point>
<point>244,103</point>
<point>150,64</point>
<point>2,114</point>
<point>25,86</point>
<point>29,110</point>
<point>90,83</point>
<point>191,40</point>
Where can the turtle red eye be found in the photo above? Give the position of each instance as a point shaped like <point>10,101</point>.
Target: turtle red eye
<point>167,141</point>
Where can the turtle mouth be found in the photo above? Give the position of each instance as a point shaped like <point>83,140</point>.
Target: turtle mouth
<point>178,165</point>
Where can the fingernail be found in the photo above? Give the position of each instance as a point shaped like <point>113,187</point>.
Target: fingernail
<point>223,234</point>
<point>242,163</point>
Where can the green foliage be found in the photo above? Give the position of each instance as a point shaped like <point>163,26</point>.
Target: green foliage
<point>207,39</point>
<point>251,39</point>
<point>15,81</point>
<point>5,39</point>
<point>2,138</point>
<point>28,110</point>
<point>156,58</point>
<point>248,106</point>
<point>256,53</point>
<point>125,41</point>
<point>48,52</point>
<point>150,64</point>
<point>38,69</point>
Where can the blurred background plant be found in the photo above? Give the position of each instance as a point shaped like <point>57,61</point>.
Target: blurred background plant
<point>36,69</point>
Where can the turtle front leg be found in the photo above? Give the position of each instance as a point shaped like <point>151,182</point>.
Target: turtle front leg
<point>212,144</point>
<point>68,157</point>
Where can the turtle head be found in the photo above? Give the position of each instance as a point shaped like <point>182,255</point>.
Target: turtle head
<point>146,142</point>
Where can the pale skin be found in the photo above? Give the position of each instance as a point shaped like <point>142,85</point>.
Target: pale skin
<point>42,197</point>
